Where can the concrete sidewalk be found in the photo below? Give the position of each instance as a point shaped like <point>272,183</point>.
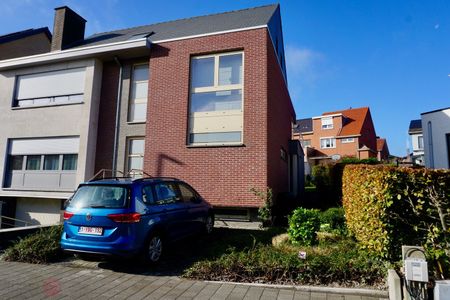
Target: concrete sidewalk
<point>28,281</point>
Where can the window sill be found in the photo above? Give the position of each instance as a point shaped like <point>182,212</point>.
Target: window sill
<point>135,122</point>
<point>45,105</point>
<point>216,145</point>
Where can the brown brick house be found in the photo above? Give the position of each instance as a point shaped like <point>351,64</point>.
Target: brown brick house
<point>204,99</point>
<point>25,42</point>
<point>338,134</point>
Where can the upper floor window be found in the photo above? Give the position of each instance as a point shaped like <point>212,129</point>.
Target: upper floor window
<point>327,143</point>
<point>215,111</point>
<point>138,94</point>
<point>347,140</point>
<point>50,88</point>
<point>420,142</point>
<point>327,123</point>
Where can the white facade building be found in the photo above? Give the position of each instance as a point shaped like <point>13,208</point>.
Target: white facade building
<point>436,137</point>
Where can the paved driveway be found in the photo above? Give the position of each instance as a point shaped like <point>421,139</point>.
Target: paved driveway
<point>56,281</point>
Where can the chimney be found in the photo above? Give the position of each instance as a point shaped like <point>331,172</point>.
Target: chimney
<point>68,28</point>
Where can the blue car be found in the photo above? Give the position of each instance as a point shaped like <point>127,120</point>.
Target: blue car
<point>126,217</point>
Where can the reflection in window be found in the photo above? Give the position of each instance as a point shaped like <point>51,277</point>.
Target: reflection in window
<point>51,162</point>
<point>33,162</point>
<point>70,162</point>
<point>216,101</point>
<point>138,94</point>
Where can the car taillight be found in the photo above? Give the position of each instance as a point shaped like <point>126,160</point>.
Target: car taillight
<point>125,218</point>
<point>67,215</point>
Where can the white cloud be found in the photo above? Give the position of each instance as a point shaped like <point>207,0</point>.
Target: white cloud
<point>305,67</point>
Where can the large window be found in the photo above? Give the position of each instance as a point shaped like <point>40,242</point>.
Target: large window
<point>138,94</point>
<point>420,142</point>
<point>49,162</point>
<point>327,123</point>
<point>327,143</point>
<point>50,88</point>
<point>216,109</point>
<point>135,162</point>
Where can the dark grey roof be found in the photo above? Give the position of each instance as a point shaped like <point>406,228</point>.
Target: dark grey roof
<point>304,125</point>
<point>415,126</point>
<point>187,27</point>
<point>433,111</point>
<point>23,34</point>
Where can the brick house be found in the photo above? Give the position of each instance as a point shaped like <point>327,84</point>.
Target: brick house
<point>204,99</point>
<point>338,134</point>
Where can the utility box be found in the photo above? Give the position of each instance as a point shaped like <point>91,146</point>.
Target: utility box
<point>416,269</point>
<point>442,290</point>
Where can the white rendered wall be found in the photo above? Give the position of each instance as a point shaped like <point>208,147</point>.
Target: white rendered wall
<point>437,152</point>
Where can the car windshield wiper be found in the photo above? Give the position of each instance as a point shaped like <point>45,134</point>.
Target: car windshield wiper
<point>97,206</point>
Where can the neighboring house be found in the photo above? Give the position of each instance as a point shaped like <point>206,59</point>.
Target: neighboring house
<point>415,131</point>
<point>204,99</point>
<point>436,137</point>
<point>334,135</point>
<point>382,149</point>
<point>26,42</point>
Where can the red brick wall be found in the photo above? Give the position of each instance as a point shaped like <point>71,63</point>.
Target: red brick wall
<point>106,118</point>
<point>279,119</point>
<point>223,175</point>
<point>368,135</point>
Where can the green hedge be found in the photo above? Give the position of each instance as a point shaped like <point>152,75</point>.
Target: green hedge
<point>387,207</point>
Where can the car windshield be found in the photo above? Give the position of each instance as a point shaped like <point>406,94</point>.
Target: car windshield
<point>99,196</point>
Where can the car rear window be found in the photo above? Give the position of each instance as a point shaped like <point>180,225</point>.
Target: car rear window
<point>99,196</point>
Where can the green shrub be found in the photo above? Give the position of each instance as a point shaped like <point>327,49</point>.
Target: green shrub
<point>333,220</point>
<point>40,247</point>
<point>265,211</point>
<point>341,263</point>
<point>387,207</point>
<point>303,226</point>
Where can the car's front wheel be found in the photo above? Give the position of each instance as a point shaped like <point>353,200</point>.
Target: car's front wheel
<point>154,248</point>
<point>209,224</point>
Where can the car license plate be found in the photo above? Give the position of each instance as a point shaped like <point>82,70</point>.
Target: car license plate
<point>90,230</point>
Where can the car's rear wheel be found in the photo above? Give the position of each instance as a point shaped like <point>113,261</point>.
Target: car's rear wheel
<point>154,248</point>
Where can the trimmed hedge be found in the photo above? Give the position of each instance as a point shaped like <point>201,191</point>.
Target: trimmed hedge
<point>387,207</point>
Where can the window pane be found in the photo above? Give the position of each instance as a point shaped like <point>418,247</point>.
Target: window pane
<point>140,73</point>
<point>216,101</point>
<point>148,194</point>
<point>135,163</point>
<point>70,162</point>
<point>187,193</point>
<point>216,137</point>
<point>16,162</point>
<point>138,112</point>
<point>76,98</point>
<point>100,196</point>
<point>165,193</point>
<point>137,146</point>
<point>230,69</point>
<point>202,72</point>
<point>139,90</point>
<point>33,162</point>
<point>42,101</point>
<point>51,162</point>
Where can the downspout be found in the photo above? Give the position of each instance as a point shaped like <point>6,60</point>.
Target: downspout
<point>117,123</point>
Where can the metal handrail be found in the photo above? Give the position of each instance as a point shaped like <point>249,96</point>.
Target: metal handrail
<point>12,219</point>
<point>103,171</point>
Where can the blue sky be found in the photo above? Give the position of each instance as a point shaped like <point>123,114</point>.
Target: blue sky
<point>393,56</point>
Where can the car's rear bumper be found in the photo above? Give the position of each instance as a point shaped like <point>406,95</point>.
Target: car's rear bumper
<point>121,247</point>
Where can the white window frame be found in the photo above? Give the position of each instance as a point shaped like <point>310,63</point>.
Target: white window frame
<point>333,144</point>
<point>217,88</point>
<point>131,155</point>
<point>326,124</point>
<point>419,144</point>
<point>347,140</point>
<point>132,101</point>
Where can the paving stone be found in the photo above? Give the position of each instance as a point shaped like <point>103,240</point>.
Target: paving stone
<point>318,296</point>
<point>269,294</point>
<point>302,295</point>
<point>223,292</point>
<point>208,291</point>
<point>352,297</point>
<point>286,294</point>
<point>238,292</point>
<point>335,297</point>
<point>254,293</point>
<point>193,291</point>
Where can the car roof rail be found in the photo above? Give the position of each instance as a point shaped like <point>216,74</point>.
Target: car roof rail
<point>103,173</point>
<point>156,178</point>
